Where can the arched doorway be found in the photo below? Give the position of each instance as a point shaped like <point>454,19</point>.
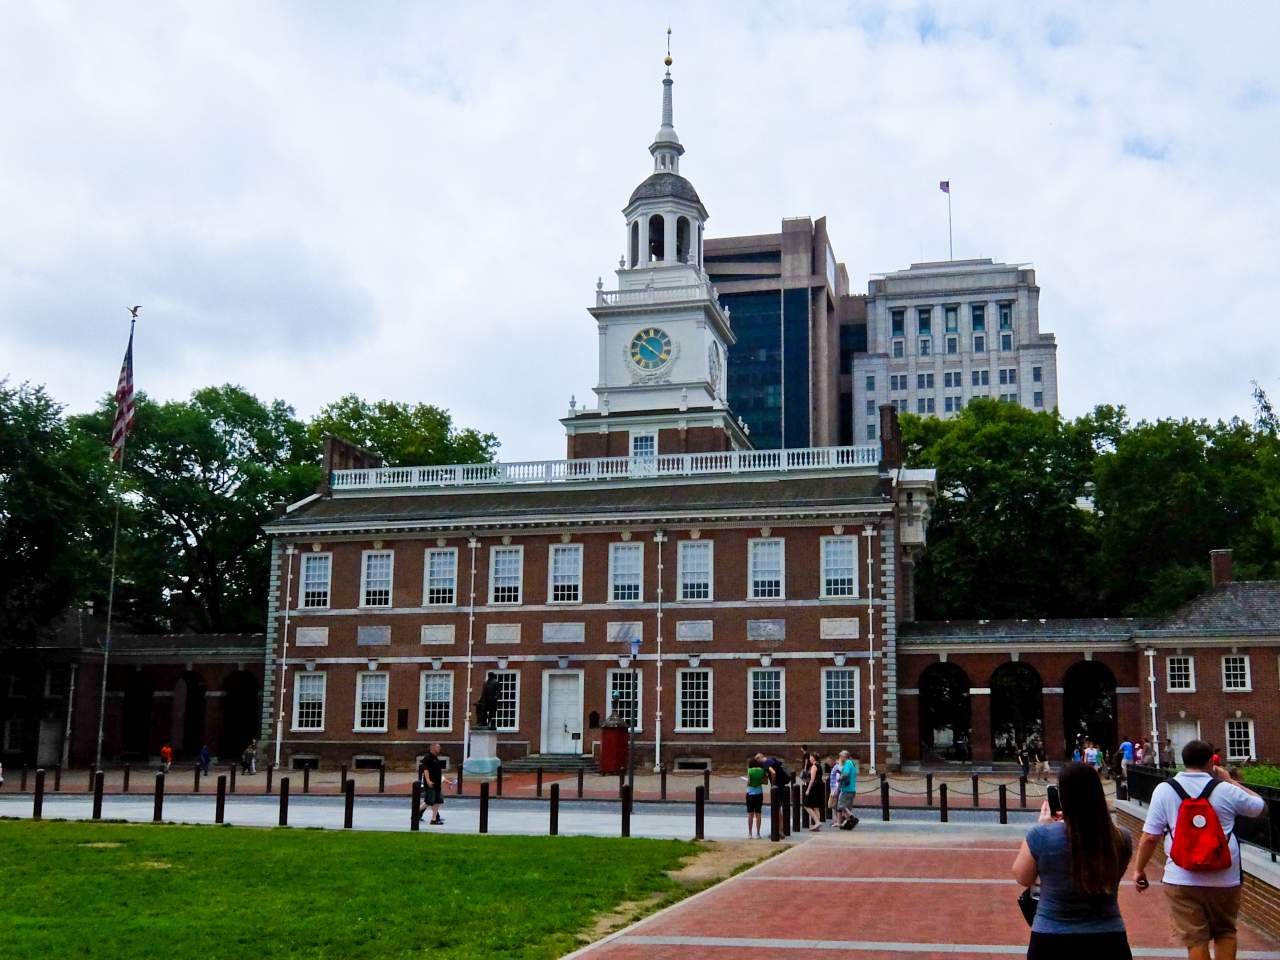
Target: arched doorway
<point>139,700</point>
<point>187,731</point>
<point>945,713</point>
<point>1017,708</point>
<point>240,718</point>
<point>1089,704</point>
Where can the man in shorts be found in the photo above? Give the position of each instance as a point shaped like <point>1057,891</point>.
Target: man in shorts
<point>845,819</point>
<point>433,783</point>
<point>1203,904</point>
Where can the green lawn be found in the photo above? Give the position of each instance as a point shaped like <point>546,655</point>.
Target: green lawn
<point>218,892</point>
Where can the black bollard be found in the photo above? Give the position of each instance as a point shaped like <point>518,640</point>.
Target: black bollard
<point>775,815</point>
<point>349,798</point>
<point>928,786</point>
<point>157,810</point>
<point>942,802</point>
<point>1022,792</point>
<point>499,781</point>
<point>284,801</point>
<point>555,809</point>
<point>220,804</point>
<point>699,812</point>
<point>306,778</point>
<point>271,770</point>
<point>484,806</point>
<point>88,784</point>
<point>97,795</point>
<point>581,777</point>
<point>37,802</point>
<point>662,781</point>
<point>23,788</point>
<point>415,815</point>
<point>706,782</point>
<point>1004,803</point>
<point>884,800</point>
<point>785,795</point>
<point>974,778</point>
<point>797,807</point>
<point>195,782</point>
<point>459,781</point>
<point>57,778</point>
<point>382,776</point>
<point>231,775</point>
<point>622,781</point>
<point>342,778</point>
<point>626,810</point>
<point>123,789</point>
<point>539,783</point>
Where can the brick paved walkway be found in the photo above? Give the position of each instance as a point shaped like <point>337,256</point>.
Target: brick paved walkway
<point>908,893</point>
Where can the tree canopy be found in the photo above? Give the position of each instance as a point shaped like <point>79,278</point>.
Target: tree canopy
<point>403,434</point>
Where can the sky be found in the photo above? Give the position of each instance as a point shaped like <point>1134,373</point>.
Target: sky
<point>413,201</point>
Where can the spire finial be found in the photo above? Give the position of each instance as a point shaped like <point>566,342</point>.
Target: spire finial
<point>667,60</point>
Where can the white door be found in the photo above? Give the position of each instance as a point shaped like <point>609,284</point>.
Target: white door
<point>1181,732</point>
<point>49,751</point>
<point>564,713</point>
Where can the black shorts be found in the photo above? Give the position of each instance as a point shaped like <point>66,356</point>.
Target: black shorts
<point>1072,946</point>
<point>432,796</point>
<point>755,802</point>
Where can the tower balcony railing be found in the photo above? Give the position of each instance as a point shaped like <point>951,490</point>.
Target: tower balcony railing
<point>728,463</point>
<point>643,295</point>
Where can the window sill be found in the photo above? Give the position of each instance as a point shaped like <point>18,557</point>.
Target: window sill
<point>694,730</point>
<point>435,730</point>
<point>311,609</point>
<point>693,600</point>
<point>766,729</point>
<point>564,603</point>
<point>306,729</point>
<point>374,606</point>
<point>368,729</point>
<point>827,598</point>
<point>446,607</point>
<point>1237,689</point>
<point>839,729</point>
<point>505,603</point>
<point>1181,690</point>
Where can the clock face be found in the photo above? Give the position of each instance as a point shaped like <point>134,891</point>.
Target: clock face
<point>650,348</point>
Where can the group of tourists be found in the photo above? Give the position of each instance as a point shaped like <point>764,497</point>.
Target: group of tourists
<point>1078,856</point>
<point>829,783</point>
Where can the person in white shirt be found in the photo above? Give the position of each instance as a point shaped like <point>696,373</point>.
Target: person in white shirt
<point>1203,904</point>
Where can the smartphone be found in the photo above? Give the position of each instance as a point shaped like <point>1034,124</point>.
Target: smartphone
<point>1055,803</point>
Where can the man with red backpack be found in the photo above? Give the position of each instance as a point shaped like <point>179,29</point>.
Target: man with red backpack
<point>1195,813</point>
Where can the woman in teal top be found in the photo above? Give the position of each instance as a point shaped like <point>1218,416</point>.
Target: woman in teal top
<point>755,794</point>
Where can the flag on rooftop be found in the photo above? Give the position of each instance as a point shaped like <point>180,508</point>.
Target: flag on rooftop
<point>124,404</point>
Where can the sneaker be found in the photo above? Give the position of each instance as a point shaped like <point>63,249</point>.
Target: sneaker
<point>438,821</point>
<point>849,824</point>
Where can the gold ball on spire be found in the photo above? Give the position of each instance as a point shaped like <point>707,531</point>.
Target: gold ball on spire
<point>667,60</point>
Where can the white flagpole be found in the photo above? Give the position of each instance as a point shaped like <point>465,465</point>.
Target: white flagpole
<point>951,250</point>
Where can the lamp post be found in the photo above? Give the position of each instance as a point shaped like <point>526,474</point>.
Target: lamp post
<point>659,539</point>
<point>1151,682</point>
<point>472,544</point>
<point>633,714</point>
<point>869,531</point>
<point>289,551</point>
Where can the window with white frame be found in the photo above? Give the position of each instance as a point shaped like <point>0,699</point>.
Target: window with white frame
<point>839,566</point>
<point>624,695</point>
<point>626,570</point>
<point>566,573</point>
<point>695,563</point>
<point>765,569</point>
<point>316,573</point>
<point>766,709</point>
<point>507,715</point>
<point>840,699</point>
<point>644,445</point>
<point>1240,740</point>
<point>436,699</point>
<point>308,701</point>
<point>371,702</point>
<point>1180,673</point>
<point>375,582</point>
<point>693,700</point>
<point>1235,673</point>
<point>506,572</point>
<point>441,588</point>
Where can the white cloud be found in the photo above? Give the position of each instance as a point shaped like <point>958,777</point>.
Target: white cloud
<point>414,201</point>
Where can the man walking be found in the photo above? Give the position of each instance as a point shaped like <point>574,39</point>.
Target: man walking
<point>1126,756</point>
<point>848,792</point>
<point>1196,813</point>
<point>433,783</point>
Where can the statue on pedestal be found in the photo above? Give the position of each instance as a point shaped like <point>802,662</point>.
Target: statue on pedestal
<point>487,705</point>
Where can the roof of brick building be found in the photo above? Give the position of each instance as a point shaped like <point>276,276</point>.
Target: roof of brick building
<point>1240,608</point>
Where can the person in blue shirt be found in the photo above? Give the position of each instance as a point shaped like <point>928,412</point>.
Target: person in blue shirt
<point>848,792</point>
<point>1126,755</point>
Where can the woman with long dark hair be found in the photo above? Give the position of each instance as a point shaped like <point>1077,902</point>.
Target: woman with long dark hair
<point>1079,856</point>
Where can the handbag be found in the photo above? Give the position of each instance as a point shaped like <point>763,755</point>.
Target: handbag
<point>1027,903</point>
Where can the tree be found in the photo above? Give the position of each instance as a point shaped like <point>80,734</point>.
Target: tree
<point>403,434</point>
<point>52,497</point>
<point>202,476</point>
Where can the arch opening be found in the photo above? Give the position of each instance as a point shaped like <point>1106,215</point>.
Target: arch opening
<point>186,733</point>
<point>1089,705</point>
<point>240,715</point>
<point>1017,708</point>
<point>682,239</point>
<point>657,238</point>
<point>945,714</point>
<point>635,242</point>
<point>139,705</point>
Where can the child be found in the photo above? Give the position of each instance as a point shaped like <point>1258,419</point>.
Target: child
<point>755,794</point>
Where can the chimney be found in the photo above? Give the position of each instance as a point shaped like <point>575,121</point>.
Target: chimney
<point>341,455</point>
<point>890,438</point>
<point>1220,571</point>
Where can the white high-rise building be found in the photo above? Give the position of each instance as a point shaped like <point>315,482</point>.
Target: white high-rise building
<point>941,334</point>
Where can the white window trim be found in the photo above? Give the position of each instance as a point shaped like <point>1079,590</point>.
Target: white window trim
<point>1191,674</point>
<point>355,721</point>
<point>633,544</point>
<point>631,443</point>
<point>297,699</point>
<point>426,576</point>
<point>391,579</point>
<point>711,700</point>
<point>302,584</point>
<point>822,570</point>
<point>493,562</point>
<point>782,568</point>
<point>551,554</point>
<point>1253,738</point>
<point>422,701</point>
<point>613,671</point>
<point>516,674</point>
<point>782,699</point>
<point>857,701</point>
<point>1248,673</point>
<point>711,571</point>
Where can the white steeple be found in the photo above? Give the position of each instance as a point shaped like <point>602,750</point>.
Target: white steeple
<point>666,148</point>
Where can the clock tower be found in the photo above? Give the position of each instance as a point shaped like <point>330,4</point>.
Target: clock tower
<point>663,334</point>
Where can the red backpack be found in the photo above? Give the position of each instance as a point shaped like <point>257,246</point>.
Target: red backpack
<point>1198,840</point>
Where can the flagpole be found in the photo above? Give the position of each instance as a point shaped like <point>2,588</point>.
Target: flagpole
<point>951,252</point>
<point>111,589</point>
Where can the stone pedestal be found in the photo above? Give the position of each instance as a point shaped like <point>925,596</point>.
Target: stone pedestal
<point>482,757</point>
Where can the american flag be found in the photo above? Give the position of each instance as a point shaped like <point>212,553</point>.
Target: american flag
<point>124,404</point>
<point>944,186</point>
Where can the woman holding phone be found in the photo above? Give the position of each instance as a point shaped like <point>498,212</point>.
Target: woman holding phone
<point>1079,857</point>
